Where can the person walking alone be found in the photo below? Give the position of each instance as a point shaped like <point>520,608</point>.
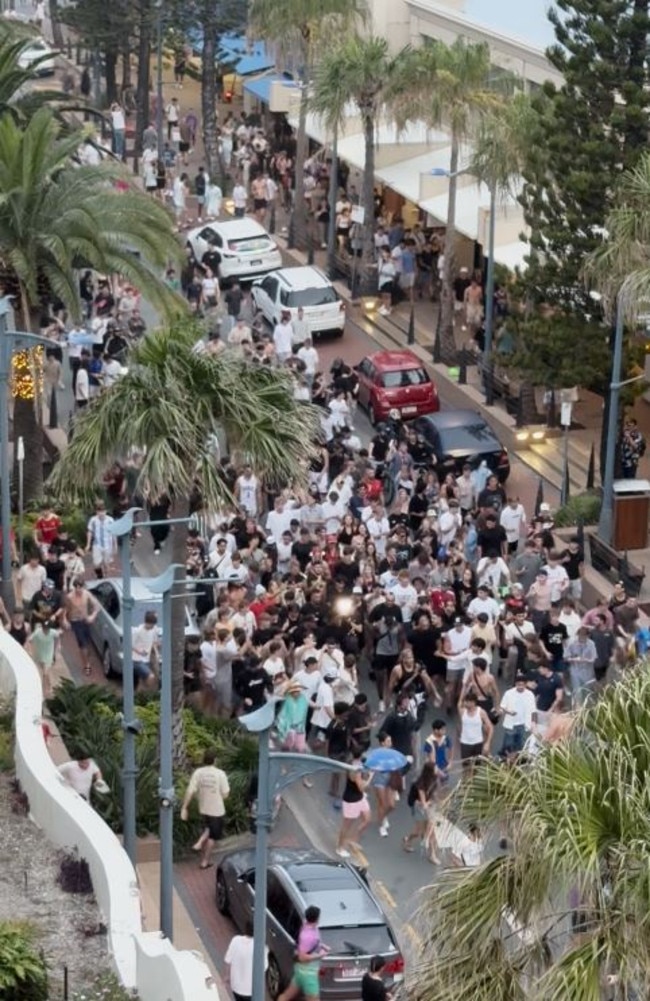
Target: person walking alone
<point>210,785</point>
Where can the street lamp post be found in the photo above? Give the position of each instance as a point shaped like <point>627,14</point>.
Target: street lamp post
<point>276,770</point>
<point>122,529</point>
<point>488,363</point>
<point>20,458</point>
<point>166,793</point>
<point>10,340</point>
<point>159,77</point>
<point>331,201</point>
<point>606,520</point>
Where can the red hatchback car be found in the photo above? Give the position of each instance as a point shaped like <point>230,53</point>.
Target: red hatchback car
<point>395,380</point>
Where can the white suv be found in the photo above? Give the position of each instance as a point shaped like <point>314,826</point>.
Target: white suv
<point>234,248</point>
<point>287,289</point>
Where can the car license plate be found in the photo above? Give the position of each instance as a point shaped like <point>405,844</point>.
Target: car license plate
<point>409,410</point>
<point>349,973</point>
<point>255,264</point>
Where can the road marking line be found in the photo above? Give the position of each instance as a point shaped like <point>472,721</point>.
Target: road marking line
<point>384,892</point>
<point>410,930</point>
<point>358,854</point>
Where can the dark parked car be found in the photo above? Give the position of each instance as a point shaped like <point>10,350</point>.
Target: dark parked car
<point>352,922</point>
<point>460,436</point>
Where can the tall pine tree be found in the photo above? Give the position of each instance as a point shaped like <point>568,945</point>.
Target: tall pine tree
<point>592,128</point>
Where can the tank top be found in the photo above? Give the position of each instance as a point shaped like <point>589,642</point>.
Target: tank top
<point>471,728</point>
<point>19,633</point>
<point>351,793</point>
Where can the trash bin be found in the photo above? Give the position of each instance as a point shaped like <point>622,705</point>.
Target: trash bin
<point>631,514</point>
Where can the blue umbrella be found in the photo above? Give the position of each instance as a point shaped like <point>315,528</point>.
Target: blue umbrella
<point>385,759</point>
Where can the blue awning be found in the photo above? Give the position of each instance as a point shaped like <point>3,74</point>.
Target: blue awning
<point>254,64</point>
<point>261,87</point>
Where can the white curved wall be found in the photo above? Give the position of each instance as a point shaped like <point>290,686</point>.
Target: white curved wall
<point>143,960</point>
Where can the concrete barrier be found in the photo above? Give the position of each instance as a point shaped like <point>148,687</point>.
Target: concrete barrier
<point>143,960</point>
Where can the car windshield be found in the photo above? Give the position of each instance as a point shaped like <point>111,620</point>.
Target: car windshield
<point>404,377</point>
<point>364,940</point>
<point>250,244</point>
<point>472,438</point>
<point>311,297</point>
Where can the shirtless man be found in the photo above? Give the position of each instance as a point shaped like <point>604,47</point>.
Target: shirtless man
<point>473,299</point>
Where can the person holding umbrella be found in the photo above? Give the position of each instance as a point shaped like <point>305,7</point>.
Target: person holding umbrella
<point>385,763</point>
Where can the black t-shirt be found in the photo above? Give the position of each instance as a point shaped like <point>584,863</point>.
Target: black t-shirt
<point>379,447</point>
<point>492,498</point>
<point>554,637</point>
<point>545,689</point>
<point>348,571</point>
<point>373,989</point>
<point>571,562</point>
<point>338,739</point>
<point>424,643</point>
<point>400,728</point>
<point>302,552</point>
<point>490,540</point>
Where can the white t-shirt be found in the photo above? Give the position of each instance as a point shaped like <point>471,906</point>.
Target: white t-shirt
<point>82,385</point>
<point>81,779</point>
<point>512,519</point>
<point>247,489</point>
<point>143,642</point>
<point>487,605</point>
<point>239,196</point>
<point>324,700</point>
<point>239,957</point>
<point>210,785</point>
<point>558,579</point>
<point>309,680</point>
<point>278,522</point>
<point>283,338</point>
<point>523,706</point>
<point>310,358</point>
<point>31,580</point>
<point>111,372</point>
<point>378,530</point>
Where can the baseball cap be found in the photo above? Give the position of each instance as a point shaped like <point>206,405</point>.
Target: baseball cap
<point>48,582</point>
<point>260,590</point>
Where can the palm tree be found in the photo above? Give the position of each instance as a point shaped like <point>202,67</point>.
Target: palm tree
<point>501,148</point>
<point>297,28</point>
<point>447,85</point>
<point>566,908</point>
<point>56,218</point>
<point>170,402</point>
<point>360,70</point>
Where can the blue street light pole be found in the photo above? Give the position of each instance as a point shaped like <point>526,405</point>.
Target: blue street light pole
<point>166,793</point>
<point>276,770</point>
<point>122,529</point>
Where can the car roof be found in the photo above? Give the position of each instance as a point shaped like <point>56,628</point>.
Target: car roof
<point>392,361</point>
<point>237,229</point>
<point>140,587</point>
<point>336,889</point>
<point>302,277</point>
<point>455,418</point>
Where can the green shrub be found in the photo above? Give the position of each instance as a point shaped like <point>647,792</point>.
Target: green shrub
<point>23,975</point>
<point>73,519</point>
<point>88,719</point>
<point>584,507</point>
<point>103,987</point>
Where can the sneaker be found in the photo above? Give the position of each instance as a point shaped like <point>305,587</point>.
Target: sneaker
<point>343,853</point>
<point>383,310</point>
<point>383,830</point>
<point>382,706</point>
<point>396,797</point>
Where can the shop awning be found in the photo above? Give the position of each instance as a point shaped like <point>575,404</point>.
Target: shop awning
<point>261,87</point>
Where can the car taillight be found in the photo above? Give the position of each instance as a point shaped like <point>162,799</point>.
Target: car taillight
<point>394,966</point>
<point>503,457</point>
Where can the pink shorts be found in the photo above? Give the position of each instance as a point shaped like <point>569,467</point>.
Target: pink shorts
<point>295,742</point>
<point>352,811</point>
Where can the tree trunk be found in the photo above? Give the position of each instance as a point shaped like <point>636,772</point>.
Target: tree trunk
<point>368,273</point>
<point>57,32</point>
<point>299,203</point>
<point>142,93</point>
<point>209,94</point>
<point>447,336</point>
<point>126,63</point>
<point>110,58</point>
<point>179,509</point>
<point>527,403</point>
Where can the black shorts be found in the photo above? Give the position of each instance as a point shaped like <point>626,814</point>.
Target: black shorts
<point>259,203</point>
<point>380,663</point>
<point>468,751</point>
<point>214,826</point>
<point>81,631</point>
<point>183,147</point>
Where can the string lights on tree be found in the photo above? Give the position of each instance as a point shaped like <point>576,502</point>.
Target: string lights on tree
<point>27,374</point>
